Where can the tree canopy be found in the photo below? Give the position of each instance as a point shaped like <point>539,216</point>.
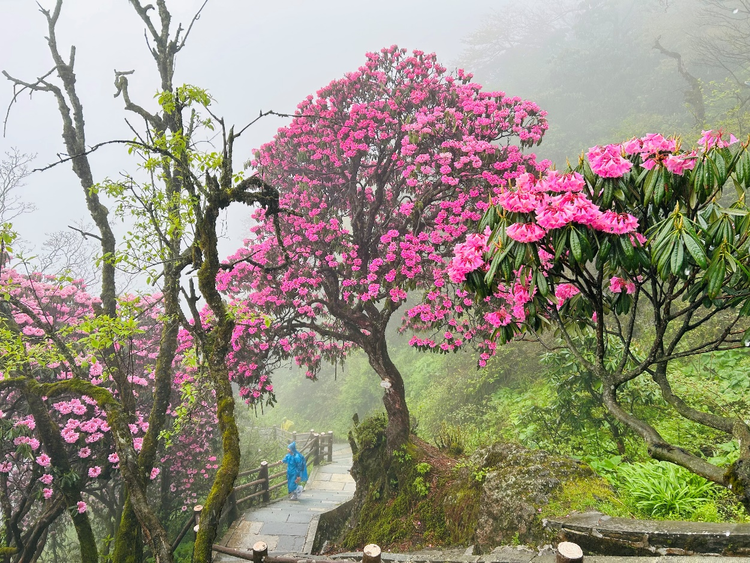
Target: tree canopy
<point>381,170</point>
<point>644,246</point>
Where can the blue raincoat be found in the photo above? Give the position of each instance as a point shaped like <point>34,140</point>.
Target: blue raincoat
<point>295,467</point>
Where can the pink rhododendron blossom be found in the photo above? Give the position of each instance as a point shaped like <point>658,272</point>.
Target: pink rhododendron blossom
<point>468,257</point>
<point>5,467</point>
<point>46,479</point>
<point>617,223</point>
<point>565,291</point>
<point>714,139</point>
<point>618,285</point>
<point>525,232</point>
<point>608,162</point>
<point>43,460</point>
<point>554,212</point>
<point>95,471</point>
<point>84,452</point>
<point>81,507</point>
<point>654,143</point>
<point>524,198</point>
<point>677,164</point>
<point>155,473</point>
<point>498,318</point>
<point>47,493</point>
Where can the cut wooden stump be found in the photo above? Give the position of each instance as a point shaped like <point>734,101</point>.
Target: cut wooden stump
<point>568,552</point>
<point>371,554</point>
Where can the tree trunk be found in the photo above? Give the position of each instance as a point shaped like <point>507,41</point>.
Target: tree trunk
<point>128,541</point>
<point>394,398</point>
<point>128,547</point>
<point>216,345</point>
<point>230,462</point>
<point>738,481</point>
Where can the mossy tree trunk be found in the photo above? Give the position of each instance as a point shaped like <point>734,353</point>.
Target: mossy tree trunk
<point>215,343</point>
<point>394,397</point>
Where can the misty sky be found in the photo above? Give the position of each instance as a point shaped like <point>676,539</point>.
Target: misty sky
<point>250,55</point>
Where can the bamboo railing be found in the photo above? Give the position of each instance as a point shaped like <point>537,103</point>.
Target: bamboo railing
<point>316,447</point>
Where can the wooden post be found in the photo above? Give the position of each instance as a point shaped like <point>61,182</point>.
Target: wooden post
<point>260,551</point>
<point>294,436</point>
<point>330,446</point>
<point>197,516</point>
<point>371,554</point>
<point>568,552</point>
<point>316,449</point>
<point>263,474</point>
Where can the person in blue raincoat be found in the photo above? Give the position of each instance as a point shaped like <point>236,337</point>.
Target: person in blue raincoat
<point>296,470</point>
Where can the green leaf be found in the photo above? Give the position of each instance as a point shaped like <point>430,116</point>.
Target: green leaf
<point>716,277</point>
<point>627,247</point>
<point>541,283</point>
<point>648,188</point>
<point>660,188</point>
<point>677,256</point>
<point>695,249</point>
<point>575,246</point>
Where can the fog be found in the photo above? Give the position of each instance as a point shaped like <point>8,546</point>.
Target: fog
<point>250,55</point>
<point>592,65</point>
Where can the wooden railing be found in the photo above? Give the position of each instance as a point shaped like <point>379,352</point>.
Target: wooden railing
<point>316,447</point>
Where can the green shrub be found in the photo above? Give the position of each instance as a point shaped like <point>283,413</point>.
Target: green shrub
<point>664,490</point>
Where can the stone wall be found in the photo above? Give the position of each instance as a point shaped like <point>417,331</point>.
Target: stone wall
<point>601,534</point>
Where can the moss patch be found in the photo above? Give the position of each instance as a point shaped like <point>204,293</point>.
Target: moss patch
<point>413,499</point>
<point>584,495</point>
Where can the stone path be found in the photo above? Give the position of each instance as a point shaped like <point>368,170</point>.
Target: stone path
<point>289,526</point>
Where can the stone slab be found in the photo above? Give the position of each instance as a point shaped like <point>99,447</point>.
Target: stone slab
<point>343,478</point>
<point>300,517</point>
<point>284,528</point>
<point>293,544</point>
<point>246,542</point>
<point>330,486</point>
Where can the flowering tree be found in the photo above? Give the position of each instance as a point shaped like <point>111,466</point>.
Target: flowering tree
<point>644,246</point>
<point>58,451</point>
<point>172,203</point>
<point>383,169</point>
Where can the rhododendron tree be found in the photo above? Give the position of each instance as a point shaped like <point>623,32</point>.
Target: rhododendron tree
<point>646,247</point>
<point>383,169</point>
<point>57,450</point>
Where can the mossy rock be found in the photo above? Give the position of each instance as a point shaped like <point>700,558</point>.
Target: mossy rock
<point>419,497</point>
<point>519,485</point>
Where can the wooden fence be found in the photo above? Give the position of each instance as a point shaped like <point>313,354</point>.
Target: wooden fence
<point>566,552</point>
<point>316,447</point>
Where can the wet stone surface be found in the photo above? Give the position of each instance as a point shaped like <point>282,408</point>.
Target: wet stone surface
<point>597,533</point>
<point>288,526</point>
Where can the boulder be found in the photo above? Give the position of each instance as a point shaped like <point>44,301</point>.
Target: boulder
<point>518,483</point>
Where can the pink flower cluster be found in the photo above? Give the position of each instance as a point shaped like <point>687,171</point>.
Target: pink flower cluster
<point>655,149</point>
<point>618,285</point>
<point>65,308</point>
<point>468,256</point>
<point>608,161</point>
<point>557,200</point>
<point>715,139</point>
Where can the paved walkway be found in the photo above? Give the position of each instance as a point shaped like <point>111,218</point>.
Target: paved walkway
<point>289,526</point>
